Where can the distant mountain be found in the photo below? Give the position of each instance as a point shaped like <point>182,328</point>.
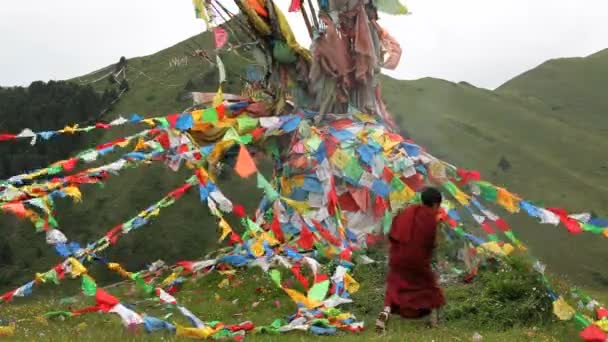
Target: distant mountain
<point>548,126</point>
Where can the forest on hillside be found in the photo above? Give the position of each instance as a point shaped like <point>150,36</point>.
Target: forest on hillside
<point>46,105</point>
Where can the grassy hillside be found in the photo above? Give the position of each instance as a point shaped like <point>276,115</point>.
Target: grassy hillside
<point>552,160</point>
<point>573,88</point>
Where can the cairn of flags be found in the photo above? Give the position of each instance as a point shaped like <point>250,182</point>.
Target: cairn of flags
<point>336,183</point>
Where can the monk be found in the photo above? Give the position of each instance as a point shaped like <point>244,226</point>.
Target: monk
<point>412,290</point>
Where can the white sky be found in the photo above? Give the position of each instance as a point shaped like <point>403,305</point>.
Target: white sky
<point>483,42</point>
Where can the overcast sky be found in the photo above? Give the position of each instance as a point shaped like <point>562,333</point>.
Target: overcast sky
<point>483,42</point>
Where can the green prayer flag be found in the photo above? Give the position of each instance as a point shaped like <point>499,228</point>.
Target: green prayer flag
<point>142,285</point>
<point>232,135</point>
<point>277,323</point>
<point>353,170</point>
<point>268,189</point>
<point>252,225</point>
<point>488,192</point>
<point>459,231</point>
<point>40,223</point>
<point>394,7</point>
<point>397,184</point>
<point>319,290</point>
<point>333,312</point>
<point>493,237</point>
<point>581,321</point>
<point>588,227</point>
<point>209,115</point>
<point>386,223</point>
<point>313,143</point>
<point>321,322</point>
<point>162,121</point>
<point>89,288</point>
<point>450,187</point>
<point>275,275</point>
<point>511,236</point>
<point>246,123</point>
<point>53,170</point>
<point>51,276</point>
<point>246,139</point>
<point>52,222</point>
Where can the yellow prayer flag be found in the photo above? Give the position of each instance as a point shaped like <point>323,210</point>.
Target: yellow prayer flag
<point>198,333</point>
<point>300,207</point>
<point>149,122</point>
<point>77,267</point>
<point>226,229</point>
<point>563,310</point>
<point>603,324</point>
<point>300,298</point>
<point>74,193</point>
<point>196,115</point>
<point>218,99</point>
<point>258,248</point>
<point>69,129</point>
<point>508,201</point>
<point>350,284</point>
<point>171,278</point>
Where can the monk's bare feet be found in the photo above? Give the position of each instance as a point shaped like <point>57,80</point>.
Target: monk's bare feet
<point>434,319</point>
<point>381,322</point>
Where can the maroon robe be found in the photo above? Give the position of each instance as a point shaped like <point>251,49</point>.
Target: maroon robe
<point>412,290</point>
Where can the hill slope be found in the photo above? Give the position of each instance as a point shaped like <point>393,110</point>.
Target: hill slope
<point>573,88</point>
<point>550,158</point>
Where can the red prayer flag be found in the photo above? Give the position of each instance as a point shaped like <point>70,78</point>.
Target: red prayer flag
<point>379,206</point>
<point>172,119</point>
<point>69,164</point>
<point>347,202</point>
<point>105,301</point>
<point>235,238</point>
<point>187,265</point>
<point>387,175</point>
<point>60,271</point>
<point>602,313</point>
<point>221,37</point>
<point>487,228</point>
<point>503,225</point>
<point>306,239</point>
<point>319,277</point>
<point>103,125</point>
<point>7,297</point>
<point>573,226</point>
<point>275,226</point>
<point>592,333</point>
<point>295,5</point>
<point>297,272</point>
<point>163,139</point>
<point>257,133</point>
<point>467,176</point>
<point>16,208</point>
<point>5,136</point>
<point>239,211</point>
<point>177,193</point>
